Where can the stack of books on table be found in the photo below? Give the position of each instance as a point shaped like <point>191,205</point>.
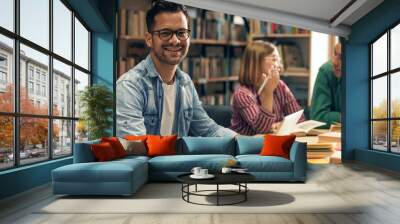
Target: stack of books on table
<point>334,138</point>
<point>317,152</point>
<point>325,146</point>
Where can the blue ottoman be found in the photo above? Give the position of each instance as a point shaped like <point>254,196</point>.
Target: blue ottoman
<point>118,177</point>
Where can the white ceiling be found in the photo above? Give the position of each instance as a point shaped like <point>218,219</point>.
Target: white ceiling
<point>315,15</point>
<point>324,9</point>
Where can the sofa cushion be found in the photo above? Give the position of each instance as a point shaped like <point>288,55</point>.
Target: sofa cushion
<point>185,163</point>
<point>249,145</point>
<point>257,163</point>
<point>93,172</point>
<point>207,145</point>
<point>112,171</point>
<point>129,159</point>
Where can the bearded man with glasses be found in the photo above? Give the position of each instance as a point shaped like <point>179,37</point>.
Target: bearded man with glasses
<point>156,97</point>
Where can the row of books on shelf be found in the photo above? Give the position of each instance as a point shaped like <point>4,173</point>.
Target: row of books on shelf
<point>214,99</point>
<point>282,29</point>
<point>203,68</point>
<point>257,27</point>
<point>200,69</point>
<point>292,59</point>
<point>203,24</point>
<point>216,29</point>
<point>216,62</point>
<point>132,22</point>
<point>216,25</point>
<point>208,25</point>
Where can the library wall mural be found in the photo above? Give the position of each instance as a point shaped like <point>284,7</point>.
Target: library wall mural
<point>218,43</point>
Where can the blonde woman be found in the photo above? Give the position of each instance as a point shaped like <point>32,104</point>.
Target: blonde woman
<point>262,100</point>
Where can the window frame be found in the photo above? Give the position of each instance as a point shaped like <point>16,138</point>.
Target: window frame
<point>16,114</point>
<point>388,74</point>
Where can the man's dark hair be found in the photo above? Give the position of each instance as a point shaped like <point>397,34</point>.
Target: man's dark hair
<point>158,7</point>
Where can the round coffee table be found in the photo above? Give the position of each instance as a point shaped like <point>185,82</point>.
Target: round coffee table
<point>238,179</point>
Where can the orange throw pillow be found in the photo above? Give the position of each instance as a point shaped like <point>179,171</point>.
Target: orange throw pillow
<point>161,145</point>
<point>116,145</point>
<point>103,152</point>
<point>136,137</point>
<point>277,145</point>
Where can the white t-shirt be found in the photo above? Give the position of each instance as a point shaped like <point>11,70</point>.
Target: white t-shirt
<point>168,114</point>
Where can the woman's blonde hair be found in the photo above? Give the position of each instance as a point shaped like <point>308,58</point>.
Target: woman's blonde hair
<point>250,65</point>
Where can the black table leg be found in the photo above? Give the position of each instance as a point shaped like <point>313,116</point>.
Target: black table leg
<point>217,194</point>
<point>182,190</point>
<point>245,193</point>
<point>188,189</point>
<point>242,191</point>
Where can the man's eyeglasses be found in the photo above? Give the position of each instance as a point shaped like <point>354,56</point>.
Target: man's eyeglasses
<point>166,34</point>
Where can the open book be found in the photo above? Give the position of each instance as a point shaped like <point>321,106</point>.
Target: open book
<point>290,125</point>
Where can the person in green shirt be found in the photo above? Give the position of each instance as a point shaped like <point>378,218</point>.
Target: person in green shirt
<point>325,103</point>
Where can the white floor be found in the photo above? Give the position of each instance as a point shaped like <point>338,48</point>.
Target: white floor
<point>379,190</point>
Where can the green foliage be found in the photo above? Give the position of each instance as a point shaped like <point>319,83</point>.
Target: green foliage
<point>96,102</point>
<point>380,111</point>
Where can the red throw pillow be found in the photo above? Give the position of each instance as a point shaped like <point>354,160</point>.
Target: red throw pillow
<point>161,145</point>
<point>277,145</point>
<point>103,152</point>
<point>116,145</point>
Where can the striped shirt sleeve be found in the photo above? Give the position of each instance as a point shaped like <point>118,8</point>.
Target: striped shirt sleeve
<point>288,101</point>
<point>252,112</point>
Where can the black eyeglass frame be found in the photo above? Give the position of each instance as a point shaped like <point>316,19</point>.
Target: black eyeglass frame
<point>173,32</point>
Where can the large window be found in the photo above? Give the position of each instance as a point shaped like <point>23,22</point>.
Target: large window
<point>44,64</point>
<point>385,95</point>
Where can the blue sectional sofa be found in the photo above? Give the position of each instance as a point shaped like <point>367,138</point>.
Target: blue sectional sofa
<point>125,176</point>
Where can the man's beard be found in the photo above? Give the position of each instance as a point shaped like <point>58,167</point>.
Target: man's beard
<point>162,57</point>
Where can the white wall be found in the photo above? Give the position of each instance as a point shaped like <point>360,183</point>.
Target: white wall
<point>319,55</point>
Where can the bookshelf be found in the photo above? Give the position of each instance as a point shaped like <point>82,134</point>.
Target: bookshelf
<point>217,43</point>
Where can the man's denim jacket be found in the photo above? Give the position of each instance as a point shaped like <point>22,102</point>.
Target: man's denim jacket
<point>140,105</point>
